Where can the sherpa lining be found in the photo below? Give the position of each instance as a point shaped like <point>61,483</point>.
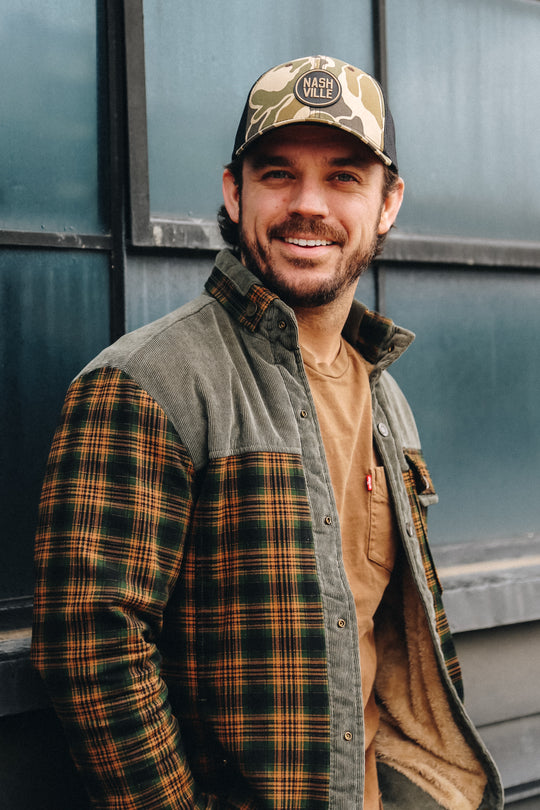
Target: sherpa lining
<point>418,735</point>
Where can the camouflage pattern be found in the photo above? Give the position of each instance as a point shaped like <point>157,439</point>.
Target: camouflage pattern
<point>297,91</point>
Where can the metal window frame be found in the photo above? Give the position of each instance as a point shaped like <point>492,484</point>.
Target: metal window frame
<point>146,230</point>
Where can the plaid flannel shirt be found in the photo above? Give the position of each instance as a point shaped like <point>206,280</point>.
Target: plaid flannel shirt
<point>188,572</point>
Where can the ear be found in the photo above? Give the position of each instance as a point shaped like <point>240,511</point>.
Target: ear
<point>231,196</point>
<point>391,205</point>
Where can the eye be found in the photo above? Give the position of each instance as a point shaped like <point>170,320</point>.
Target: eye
<point>346,177</point>
<point>276,174</point>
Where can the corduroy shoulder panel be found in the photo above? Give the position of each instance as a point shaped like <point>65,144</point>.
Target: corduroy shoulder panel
<point>218,383</point>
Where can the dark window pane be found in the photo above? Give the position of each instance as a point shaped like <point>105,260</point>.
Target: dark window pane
<point>155,285</point>
<point>464,79</point>
<point>473,379</point>
<point>55,313</point>
<point>49,114</point>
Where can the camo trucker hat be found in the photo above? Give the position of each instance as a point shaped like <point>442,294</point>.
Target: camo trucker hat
<point>319,90</point>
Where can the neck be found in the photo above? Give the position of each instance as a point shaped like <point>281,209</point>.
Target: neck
<point>320,330</point>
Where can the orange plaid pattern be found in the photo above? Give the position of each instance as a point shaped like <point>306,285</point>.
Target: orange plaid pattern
<point>178,616</point>
<point>178,621</point>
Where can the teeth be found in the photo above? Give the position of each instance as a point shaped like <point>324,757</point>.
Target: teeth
<point>307,242</point>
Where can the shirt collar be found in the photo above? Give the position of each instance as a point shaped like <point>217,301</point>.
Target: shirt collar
<point>378,339</point>
<point>239,291</point>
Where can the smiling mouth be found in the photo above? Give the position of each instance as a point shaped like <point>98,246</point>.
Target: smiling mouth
<point>307,242</point>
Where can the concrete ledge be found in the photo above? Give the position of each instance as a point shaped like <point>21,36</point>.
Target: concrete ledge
<point>514,746</point>
<point>21,689</point>
<point>490,584</point>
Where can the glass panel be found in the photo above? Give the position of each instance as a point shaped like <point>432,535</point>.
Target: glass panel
<point>472,378</point>
<point>366,292</point>
<point>156,285</point>
<point>48,109</point>
<point>464,79</point>
<point>201,59</point>
<point>54,307</point>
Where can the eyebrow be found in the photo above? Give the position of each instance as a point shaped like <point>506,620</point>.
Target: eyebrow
<point>261,160</point>
<point>352,160</point>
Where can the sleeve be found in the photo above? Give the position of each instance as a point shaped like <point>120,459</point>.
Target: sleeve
<point>115,510</point>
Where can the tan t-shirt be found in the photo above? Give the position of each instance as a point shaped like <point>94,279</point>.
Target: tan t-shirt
<point>342,398</point>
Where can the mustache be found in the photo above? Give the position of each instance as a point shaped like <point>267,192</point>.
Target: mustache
<point>307,228</point>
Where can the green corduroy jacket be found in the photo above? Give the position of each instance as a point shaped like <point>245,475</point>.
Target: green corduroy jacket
<point>193,621</point>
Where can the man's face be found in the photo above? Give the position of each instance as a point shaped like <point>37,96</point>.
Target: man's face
<point>309,212</point>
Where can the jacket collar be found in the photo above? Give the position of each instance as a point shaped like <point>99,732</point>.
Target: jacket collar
<point>378,339</point>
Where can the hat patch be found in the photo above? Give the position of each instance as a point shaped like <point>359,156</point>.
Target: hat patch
<point>317,88</point>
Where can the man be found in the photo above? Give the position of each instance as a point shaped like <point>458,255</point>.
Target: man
<point>235,601</point>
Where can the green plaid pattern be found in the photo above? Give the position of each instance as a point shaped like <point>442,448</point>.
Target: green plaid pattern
<point>418,482</point>
<point>178,618</point>
<point>247,310</point>
<point>134,553</point>
<point>373,336</point>
<point>261,655</point>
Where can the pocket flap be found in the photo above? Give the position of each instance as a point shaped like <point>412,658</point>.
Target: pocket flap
<point>422,477</point>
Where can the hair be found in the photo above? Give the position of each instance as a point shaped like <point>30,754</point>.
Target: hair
<point>230,231</point>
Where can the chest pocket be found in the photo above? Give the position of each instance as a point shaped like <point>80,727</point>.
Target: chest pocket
<point>421,478</point>
<point>382,541</point>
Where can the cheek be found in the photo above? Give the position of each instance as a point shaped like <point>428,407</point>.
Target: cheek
<point>258,222</point>
<point>265,206</point>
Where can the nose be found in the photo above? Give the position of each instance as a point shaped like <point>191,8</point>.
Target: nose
<point>308,198</point>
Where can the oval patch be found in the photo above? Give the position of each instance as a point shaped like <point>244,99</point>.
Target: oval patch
<point>317,88</point>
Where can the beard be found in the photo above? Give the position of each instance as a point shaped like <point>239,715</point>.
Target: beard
<point>257,259</point>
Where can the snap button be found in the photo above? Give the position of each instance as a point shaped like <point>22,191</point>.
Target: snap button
<point>383,429</point>
<point>328,520</point>
<point>251,308</point>
<point>282,324</point>
<point>341,623</point>
<point>303,414</point>
<point>348,736</point>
